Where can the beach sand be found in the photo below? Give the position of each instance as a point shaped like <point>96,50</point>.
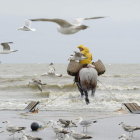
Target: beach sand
<point>106,128</point>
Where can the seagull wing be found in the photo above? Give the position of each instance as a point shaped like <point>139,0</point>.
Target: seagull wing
<point>79,54</point>
<point>39,87</point>
<point>27,23</point>
<point>6,46</point>
<point>86,123</point>
<point>61,22</point>
<point>93,18</point>
<point>78,21</point>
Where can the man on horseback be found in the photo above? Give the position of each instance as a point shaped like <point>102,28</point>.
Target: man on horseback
<point>84,62</point>
<point>86,52</point>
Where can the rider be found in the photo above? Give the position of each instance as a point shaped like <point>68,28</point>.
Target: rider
<point>84,62</point>
<point>86,52</point>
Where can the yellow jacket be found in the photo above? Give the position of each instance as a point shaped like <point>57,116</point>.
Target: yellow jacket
<point>87,54</point>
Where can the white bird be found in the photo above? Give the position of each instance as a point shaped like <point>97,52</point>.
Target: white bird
<point>13,129</point>
<point>1,131</point>
<point>23,138</point>
<point>68,28</point>
<point>57,129</point>
<point>79,136</point>
<point>51,71</point>
<point>85,123</point>
<point>123,136</point>
<point>78,56</point>
<point>27,25</point>
<point>30,137</point>
<point>67,123</point>
<point>129,128</point>
<point>6,48</point>
<point>37,83</point>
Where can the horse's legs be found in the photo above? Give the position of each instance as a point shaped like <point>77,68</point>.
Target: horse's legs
<point>93,91</point>
<point>79,87</point>
<point>86,95</point>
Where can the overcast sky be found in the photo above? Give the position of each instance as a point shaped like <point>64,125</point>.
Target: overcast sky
<point>115,39</point>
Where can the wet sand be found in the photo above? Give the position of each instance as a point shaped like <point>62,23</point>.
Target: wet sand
<point>106,128</point>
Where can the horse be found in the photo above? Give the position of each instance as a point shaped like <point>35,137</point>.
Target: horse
<point>87,81</point>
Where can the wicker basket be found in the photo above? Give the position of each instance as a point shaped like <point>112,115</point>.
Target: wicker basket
<point>73,68</point>
<point>99,66</point>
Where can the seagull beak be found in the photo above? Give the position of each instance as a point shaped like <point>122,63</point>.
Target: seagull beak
<point>76,119</point>
<point>18,29</point>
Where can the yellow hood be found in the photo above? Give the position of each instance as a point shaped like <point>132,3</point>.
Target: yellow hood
<point>81,46</point>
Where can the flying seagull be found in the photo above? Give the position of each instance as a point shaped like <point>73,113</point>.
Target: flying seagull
<point>37,83</point>
<point>78,56</point>
<point>68,28</point>
<point>6,48</point>
<point>26,27</point>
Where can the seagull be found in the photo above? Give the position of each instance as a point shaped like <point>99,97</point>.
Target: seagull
<point>79,136</point>
<point>85,123</point>
<point>78,56</point>
<point>123,136</point>
<point>13,129</point>
<point>68,28</point>
<point>6,48</point>
<point>30,137</point>
<point>1,131</point>
<point>57,129</point>
<point>67,123</point>
<point>26,27</point>
<point>129,128</point>
<point>23,138</point>
<point>51,71</point>
<point>37,83</point>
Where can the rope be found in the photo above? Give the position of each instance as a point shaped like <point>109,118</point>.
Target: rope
<point>53,99</point>
<point>108,90</point>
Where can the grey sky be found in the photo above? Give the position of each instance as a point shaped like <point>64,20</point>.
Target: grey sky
<point>113,40</point>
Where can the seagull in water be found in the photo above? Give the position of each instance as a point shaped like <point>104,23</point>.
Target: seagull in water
<point>6,48</point>
<point>51,71</point>
<point>37,83</point>
<point>13,129</point>
<point>26,27</point>
<point>79,136</point>
<point>68,28</point>
<point>78,56</point>
<point>85,123</point>
<point>129,128</point>
<point>124,137</point>
<point>30,137</point>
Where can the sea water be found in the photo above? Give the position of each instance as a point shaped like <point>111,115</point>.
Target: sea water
<point>122,81</point>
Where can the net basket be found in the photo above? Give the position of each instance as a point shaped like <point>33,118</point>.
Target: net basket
<point>99,66</point>
<point>73,68</point>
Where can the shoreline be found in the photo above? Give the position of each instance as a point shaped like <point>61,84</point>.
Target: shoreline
<point>106,128</point>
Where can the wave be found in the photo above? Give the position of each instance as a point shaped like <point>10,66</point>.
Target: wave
<point>72,101</point>
<point>67,87</point>
<point>123,75</point>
